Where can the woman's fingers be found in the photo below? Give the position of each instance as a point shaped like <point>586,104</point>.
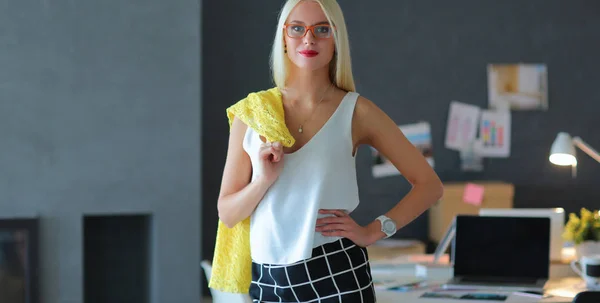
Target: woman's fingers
<point>265,151</point>
<point>333,227</point>
<point>336,212</point>
<point>337,233</point>
<point>271,151</point>
<point>277,151</point>
<point>330,220</point>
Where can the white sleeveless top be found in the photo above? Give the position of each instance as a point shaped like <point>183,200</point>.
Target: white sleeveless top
<point>320,175</point>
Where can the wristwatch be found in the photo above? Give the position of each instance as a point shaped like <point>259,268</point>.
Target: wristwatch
<point>388,226</point>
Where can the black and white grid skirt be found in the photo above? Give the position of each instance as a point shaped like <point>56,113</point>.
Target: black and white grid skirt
<point>336,272</point>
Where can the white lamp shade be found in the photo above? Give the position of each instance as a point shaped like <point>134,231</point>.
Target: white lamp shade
<point>563,151</point>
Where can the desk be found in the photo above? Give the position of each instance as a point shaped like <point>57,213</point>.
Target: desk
<point>387,297</point>
<point>563,283</point>
<point>563,290</point>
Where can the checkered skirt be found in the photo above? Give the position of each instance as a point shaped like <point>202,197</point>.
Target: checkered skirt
<point>336,272</point>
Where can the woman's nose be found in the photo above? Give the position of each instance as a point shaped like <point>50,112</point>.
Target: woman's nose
<point>309,38</point>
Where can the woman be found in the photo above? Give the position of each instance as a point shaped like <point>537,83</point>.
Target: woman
<point>305,246</point>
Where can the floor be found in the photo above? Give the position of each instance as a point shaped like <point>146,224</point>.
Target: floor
<point>207,300</point>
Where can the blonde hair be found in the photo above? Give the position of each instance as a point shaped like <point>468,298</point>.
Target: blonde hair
<point>340,67</point>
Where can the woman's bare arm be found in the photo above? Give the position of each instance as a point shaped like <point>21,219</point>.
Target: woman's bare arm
<point>238,196</point>
<point>373,127</point>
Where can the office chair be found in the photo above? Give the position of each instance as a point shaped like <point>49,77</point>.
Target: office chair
<point>587,297</point>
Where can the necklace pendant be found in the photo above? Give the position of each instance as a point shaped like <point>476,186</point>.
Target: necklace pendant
<point>300,129</point>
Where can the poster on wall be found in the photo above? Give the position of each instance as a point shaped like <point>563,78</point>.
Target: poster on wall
<point>419,134</point>
<point>494,134</point>
<point>517,86</point>
<point>461,128</point>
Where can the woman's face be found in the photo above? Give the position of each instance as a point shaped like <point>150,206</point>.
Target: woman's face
<point>309,36</point>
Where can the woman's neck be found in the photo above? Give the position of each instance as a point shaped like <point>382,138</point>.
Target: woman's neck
<point>308,86</point>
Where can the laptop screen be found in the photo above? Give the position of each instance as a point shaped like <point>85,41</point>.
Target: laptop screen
<point>502,247</point>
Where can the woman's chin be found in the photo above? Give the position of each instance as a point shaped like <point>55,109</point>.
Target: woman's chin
<point>309,64</point>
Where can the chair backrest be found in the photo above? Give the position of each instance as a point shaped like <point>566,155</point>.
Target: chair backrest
<point>587,297</point>
<point>207,267</point>
<point>219,296</point>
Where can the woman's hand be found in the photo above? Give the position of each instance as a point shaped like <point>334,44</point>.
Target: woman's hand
<point>271,161</point>
<point>342,225</point>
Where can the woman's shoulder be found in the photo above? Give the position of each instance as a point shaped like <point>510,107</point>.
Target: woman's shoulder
<point>364,106</point>
<point>268,93</point>
<point>367,114</point>
<point>253,99</point>
<point>263,112</point>
<point>267,98</point>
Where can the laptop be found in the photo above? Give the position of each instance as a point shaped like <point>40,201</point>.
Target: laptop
<point>557,223</point>
<point>500,253</point>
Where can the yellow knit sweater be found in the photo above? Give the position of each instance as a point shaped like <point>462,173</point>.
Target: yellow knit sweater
<point>232,265</point>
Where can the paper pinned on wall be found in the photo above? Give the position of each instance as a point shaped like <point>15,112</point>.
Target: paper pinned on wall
<point>419,134</point>
<point>494,134</point>
<point>461,128</point>
<point>473,194</point>
<point>518,86</point>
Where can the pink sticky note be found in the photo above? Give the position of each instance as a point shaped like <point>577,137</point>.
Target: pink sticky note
<point>473,194</point>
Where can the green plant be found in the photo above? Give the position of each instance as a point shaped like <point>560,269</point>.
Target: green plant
<point>585,227</point>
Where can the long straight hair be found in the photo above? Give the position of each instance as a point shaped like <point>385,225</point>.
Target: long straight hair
<point>340,67</point>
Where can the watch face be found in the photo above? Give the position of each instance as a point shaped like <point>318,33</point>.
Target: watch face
<point>389,226</point>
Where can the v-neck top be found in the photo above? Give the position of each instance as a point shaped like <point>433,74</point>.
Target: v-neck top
<point>319,175</point>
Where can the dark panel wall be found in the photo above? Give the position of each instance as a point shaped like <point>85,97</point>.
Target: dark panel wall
<point>412,58</point>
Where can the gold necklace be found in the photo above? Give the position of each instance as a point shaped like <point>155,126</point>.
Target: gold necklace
<point>301,129</point>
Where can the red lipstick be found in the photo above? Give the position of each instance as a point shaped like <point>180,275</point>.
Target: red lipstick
<point>308,53</point>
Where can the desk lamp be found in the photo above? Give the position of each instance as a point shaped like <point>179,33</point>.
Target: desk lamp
<point>562,151</point>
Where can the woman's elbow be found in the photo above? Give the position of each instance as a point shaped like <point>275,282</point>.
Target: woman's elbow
<point>227,221</point>
<point>224,216</point>
<point>228,224</point>
<point>437,188</point>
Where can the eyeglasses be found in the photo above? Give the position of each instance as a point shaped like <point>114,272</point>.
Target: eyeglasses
<point>319,31</point>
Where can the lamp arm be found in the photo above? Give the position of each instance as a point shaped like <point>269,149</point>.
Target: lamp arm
<point>586,148</point>
<point>445,242</point>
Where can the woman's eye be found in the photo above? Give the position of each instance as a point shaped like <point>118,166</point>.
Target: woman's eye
<point>323,29</point>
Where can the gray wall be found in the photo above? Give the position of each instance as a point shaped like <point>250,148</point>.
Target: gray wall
<point>100,114</point>
<point>412,58</point>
